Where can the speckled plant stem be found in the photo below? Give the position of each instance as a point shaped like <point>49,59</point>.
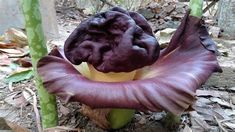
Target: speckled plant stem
<point>38,49</point>
<point>196,8</point>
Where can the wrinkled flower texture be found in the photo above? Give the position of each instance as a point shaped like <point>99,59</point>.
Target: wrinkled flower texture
<point>113,41</point>
<point>121,39</point>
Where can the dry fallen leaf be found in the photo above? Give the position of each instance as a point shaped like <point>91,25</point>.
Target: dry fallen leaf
<point>230,125</point>
<point>220,125</point>
<point>7,45</point>
<point>12,51</point>
<point>17,99</point>
<point>2,38</point>
<point>198,123</point>
<point>221,102</point>
<point>214,31</point>
<point>229,112</point>
<point>4,60</point>
<point>24,62</point>
<point>16,128</point>
<point>212,93</point>
<point>220,114</point>
<point>232,89</point>
<point>10,126</point>
<point>205,112</point>
<point>187,129</point>
<point>223,52</point>
<point>26,95</point>
<point>3,125</point>
<point>17,36</point>
<point>24,53</point>
<point>233,99</point>
<point>142,121</point>
<point>164,36</point>
<point>64,110</point>
<point>202,102</point>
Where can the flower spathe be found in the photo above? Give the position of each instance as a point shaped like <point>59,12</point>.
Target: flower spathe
<point>168,84</point>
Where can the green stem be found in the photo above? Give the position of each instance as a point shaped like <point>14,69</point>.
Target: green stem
<point>118,118</point>
<point>196,8</point>
<point>38,49</point>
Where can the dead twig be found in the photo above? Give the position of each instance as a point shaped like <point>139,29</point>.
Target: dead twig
<point>225,120</point>
<point>36,111</point>
<point>200,123</point>
<point>61,128</point>
<point>10,86</point>
<point>220,125</point>
<point>210,5</point>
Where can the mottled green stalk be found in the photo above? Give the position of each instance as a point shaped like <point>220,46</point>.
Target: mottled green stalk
<point>38,49</point>
<point>120,117</point>
<point>196,8</point>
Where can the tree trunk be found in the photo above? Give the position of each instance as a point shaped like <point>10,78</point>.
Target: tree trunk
<point>226,18</point>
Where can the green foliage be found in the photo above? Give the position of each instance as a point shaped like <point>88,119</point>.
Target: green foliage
<point>19,76</point>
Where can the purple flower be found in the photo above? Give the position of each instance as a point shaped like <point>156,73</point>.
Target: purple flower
<point>121,41</point>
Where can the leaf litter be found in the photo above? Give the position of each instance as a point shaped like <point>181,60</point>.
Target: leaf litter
<point>15,66</point>
<point>213,110</point>
<point>18,99</point>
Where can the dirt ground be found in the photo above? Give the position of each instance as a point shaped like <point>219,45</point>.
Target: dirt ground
<point>213,111</point>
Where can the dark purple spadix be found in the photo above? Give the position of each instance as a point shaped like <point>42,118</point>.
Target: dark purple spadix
<point>113,41</point>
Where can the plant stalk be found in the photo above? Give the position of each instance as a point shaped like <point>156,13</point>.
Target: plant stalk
<point>196,8</point>
<point>38,49</point>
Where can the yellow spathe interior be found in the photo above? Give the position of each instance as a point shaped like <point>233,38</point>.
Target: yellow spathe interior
<point>90,72</point>
<point>111,76</point>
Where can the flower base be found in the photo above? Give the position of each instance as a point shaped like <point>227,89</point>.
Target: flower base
<point>109,118</point>
<point>98,116</point>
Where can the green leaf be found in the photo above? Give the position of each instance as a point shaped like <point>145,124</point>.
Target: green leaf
<point>20,76</point>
